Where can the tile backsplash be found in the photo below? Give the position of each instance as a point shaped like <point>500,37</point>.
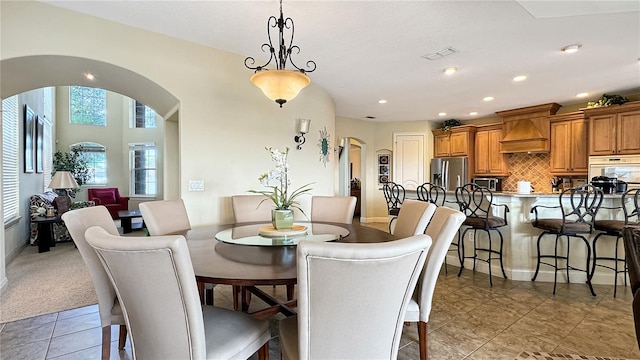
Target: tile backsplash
<point>529,167</point>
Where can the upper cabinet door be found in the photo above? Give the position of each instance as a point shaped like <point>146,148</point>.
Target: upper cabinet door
<point>459,143</point>
<point>442,145</point>
<point>602,128</point>
<point>628,132</point>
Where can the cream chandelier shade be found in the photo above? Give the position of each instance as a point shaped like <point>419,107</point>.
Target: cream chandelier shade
<point>280,85</point>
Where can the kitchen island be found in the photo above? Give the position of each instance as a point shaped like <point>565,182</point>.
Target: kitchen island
<point>520,237</point>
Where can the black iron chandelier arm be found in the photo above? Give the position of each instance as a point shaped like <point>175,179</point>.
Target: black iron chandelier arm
<point>284,53</point>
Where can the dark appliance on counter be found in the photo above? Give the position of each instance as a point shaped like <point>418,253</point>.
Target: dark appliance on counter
<point>493,184</point>
<point>608,185</point>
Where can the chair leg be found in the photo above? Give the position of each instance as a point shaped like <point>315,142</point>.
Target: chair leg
<point>106,342</point>
<point>555,259</point>
<point>589,276</point>
<point>290,291</point>
<point>461,250</point>
<point>123,337</point>
<point>263,352</point>
<point>489,253</point>
<point>423,340</point>
<point>535,275</point>
<point>501,247</point>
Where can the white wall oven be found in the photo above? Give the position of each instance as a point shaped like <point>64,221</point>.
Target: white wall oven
<point>623,168</point>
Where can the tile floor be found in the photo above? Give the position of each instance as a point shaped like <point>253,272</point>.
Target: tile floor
<point>469,320</point>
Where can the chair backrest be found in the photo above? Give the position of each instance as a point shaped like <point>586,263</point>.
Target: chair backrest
<point>393,194</point>
<point>154,280</point>
<point>105,195</point>
<point>366,324</point>
<point>580,204</point>
<point>631,236</point>
<point>77,222</point>
<point>432,193</point>
<point>413,218</point>
<point>251,208</point>
<point>442,229</point>
<point>337,209</point>
<point>631,206</point>
<point>474,200</point>
<point>165,216</point>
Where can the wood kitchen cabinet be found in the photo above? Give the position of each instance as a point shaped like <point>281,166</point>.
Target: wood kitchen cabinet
<point>459,141</point>
<point>569,140</point>
<point>614,129</point>
<point>488,159</point>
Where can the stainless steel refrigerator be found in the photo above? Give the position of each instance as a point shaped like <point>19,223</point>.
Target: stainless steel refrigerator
<point>450,173</point>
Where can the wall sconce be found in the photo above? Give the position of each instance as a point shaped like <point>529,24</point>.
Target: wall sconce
<point>303,128</point>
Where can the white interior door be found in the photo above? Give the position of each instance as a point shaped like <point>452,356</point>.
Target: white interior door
<point>408,159</point>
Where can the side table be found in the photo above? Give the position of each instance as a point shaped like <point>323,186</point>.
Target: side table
<point>45,231</point>
<point>125,220</point>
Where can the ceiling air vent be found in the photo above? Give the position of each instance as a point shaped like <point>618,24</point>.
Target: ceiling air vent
<point>440,54</point>
<point>370,117</point>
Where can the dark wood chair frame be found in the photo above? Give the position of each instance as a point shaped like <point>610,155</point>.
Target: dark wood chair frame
<point>476,202</point>
<point>630,206</point>
<point>394,195</point>
<point>578,207</point>
<point>631,236</point>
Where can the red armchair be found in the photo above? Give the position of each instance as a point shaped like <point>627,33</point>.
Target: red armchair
<point>110,198</point>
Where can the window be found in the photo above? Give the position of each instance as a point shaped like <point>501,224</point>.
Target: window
<point>96,157</point>
<point>143,169</point>
<point>87,106</point>
<point>142,116</point>
<point>10,156</point>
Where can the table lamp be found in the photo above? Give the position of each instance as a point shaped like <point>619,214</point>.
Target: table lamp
<point>63,180</point>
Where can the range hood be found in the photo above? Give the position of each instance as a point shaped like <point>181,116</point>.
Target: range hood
<point>526,129</point>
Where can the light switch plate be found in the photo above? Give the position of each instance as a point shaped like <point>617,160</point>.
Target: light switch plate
<point>196,185</point>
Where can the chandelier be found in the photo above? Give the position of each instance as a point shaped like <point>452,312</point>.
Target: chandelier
<point>280,85</point>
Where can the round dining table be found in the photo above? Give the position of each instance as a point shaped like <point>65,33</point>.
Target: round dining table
<point>237,255</point>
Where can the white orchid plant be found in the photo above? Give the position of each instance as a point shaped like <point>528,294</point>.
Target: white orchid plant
<point>279,176</point>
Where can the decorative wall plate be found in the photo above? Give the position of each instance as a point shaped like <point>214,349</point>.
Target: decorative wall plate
<point>323,144</point>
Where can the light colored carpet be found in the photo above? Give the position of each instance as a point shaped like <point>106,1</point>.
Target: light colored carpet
<point>43,283</point>
<point>530,355</point>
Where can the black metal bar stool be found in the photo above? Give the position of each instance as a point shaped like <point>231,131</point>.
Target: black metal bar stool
<point>436,194</point>
<point>578,207</point>
<point>476,203</point>
<point>630,208</point>
<point>394,195</point>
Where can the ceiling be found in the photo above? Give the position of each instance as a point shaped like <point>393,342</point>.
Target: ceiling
<point>371,50</point>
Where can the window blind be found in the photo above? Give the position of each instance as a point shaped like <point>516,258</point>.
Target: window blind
<point>10,156</point>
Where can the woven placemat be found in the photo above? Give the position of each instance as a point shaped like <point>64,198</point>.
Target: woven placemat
<point>534,355</point>
<point>270,231</point>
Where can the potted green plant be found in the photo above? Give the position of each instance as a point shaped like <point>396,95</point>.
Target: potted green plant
<point>282,215</point>
<point>74,163</point>
<point>448,124</point>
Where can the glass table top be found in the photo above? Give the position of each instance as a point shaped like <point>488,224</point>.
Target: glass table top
<point>251,234</point>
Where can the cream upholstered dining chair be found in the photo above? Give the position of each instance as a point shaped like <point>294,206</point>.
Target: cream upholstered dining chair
<point>443,227</point>
<point>337,209</point>
<point>165,216</point>
<point>367,324</point>
<point>78,221</point>
<point>155,282</point>
<point>413,218</point>
<point>251,208</point>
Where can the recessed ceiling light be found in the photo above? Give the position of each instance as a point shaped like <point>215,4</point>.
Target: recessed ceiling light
<point>570,49</point>
<point>382,101</point>
<point>488,98</point>
<point>520,78</point>
<point>89,76</point>
<point>581,95</point>
<point>473,113</point>
<point>451,70</point>
<point>442,114</point>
